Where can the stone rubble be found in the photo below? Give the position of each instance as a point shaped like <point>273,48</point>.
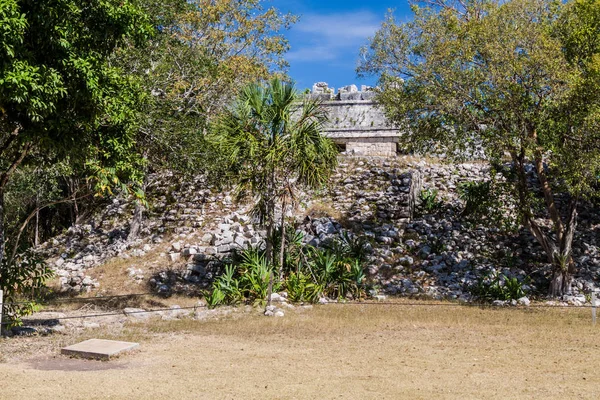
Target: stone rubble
<point>414,253</point>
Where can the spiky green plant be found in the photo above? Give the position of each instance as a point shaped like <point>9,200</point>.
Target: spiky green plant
<point>273,142</point>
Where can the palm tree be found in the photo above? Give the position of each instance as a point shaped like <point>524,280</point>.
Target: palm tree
<point>272,139</point>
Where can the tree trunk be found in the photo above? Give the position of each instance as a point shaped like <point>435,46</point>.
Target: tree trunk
<point>138,213</point>
<point>282,246</point>
<point>561,281</point>
<point>563,265</point>
<point>136,222</point>
<point>36,240</point>
<point>270,218</point>
<point>2,237</point>
<point>269,242</point>
<point>558,251</point>
<point>2,249</point>
<point>75,212</point>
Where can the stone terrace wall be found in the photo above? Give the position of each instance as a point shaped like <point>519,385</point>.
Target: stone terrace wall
<point>436,254</point>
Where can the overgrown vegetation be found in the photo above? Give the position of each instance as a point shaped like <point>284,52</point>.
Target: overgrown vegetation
<point>489,203</point>
<point>24,280</point>
<point>515,79</point>
<point>428,200</point>
<point>272,140</point>
<point>61,101</point>
<point>497,286</point>
<point>96,96</point>
<point>335,272</point>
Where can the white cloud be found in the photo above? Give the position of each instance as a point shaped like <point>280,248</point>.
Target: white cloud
<point>312,53</point>
<point>331,36</point>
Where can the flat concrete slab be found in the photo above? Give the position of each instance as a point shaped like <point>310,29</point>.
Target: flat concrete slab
<point>98,349</point>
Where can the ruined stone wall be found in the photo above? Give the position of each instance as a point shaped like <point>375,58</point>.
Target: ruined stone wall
<point>356,123</point>
<point>438,253</point>
<point>356,115</point>
<point>371,146</point>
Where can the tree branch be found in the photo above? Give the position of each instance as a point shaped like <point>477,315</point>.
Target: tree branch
<point>18,160</point>
<point>10,139</point>
<point>33,213</point>
<point>547,191</point>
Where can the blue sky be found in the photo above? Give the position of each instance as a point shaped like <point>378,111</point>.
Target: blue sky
<point>326,41</point>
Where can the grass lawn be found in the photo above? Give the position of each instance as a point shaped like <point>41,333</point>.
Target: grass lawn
<point>329,352</point>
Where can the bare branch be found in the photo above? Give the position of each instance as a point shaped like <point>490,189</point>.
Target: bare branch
<point>10,139</point>
<point>18,160</point>
<point>33,213</point>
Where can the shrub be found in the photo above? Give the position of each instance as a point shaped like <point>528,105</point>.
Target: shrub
<point>428,200</point>
<point>310,273</point>
<point>337,276</point>
<point>225,290</point>
<point>245,280</point>
<point>351,246</point>
<point>23,282</point>
<point>487,201</point>
<point>476,196</point>
<point>301,288</point>
<point>255,275</point>
<point>497,287</point>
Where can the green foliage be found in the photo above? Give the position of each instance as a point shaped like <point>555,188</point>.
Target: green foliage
<point>23,284</point>
<point>311,273</point>
<point>273,143</point>
<point>476,196</point>
<point>488,202</point>
<point>518,79</point>
<point>336,272</point>
<point>351,246</point>
<point>497,286</point>
<point>294,252</point>
<point>245,280</point>
<point>62,101</point>
<point>429,201</point>
<point>302,288</point>
<point>226,289</point>
<point>58,93</point>
<point>32,188</point>
<point>255,275</point>
<point>202,53</point>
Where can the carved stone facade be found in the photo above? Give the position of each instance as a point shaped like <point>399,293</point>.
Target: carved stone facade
<point>356,124</point>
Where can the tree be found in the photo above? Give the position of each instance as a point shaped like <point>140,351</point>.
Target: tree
<point>274,145</point>
<point>519,77</point>
<point>60,98</point>
<point>204,52</point>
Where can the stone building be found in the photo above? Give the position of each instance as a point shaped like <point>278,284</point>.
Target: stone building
<point>356,124</point>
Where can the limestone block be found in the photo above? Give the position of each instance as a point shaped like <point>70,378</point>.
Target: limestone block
<point>348,89</point>
<point>99,349</point>
<point>197,268</point>
<point>226,240</point>
<point>208,238</point>
<point>223,248</point>
<point>350,96</point>
<point>240,241</point>
<point>320,87</point>
<point>176,247</point>
<point>189,251</point>
<point>224,227</point>
<point>368,95</point>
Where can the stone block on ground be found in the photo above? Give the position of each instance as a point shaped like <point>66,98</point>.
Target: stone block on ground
<point>98,349</point>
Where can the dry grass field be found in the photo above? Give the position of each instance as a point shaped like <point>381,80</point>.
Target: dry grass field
<point>329,352</point>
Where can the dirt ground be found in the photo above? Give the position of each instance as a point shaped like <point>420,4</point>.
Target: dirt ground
<point>328,352</point>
